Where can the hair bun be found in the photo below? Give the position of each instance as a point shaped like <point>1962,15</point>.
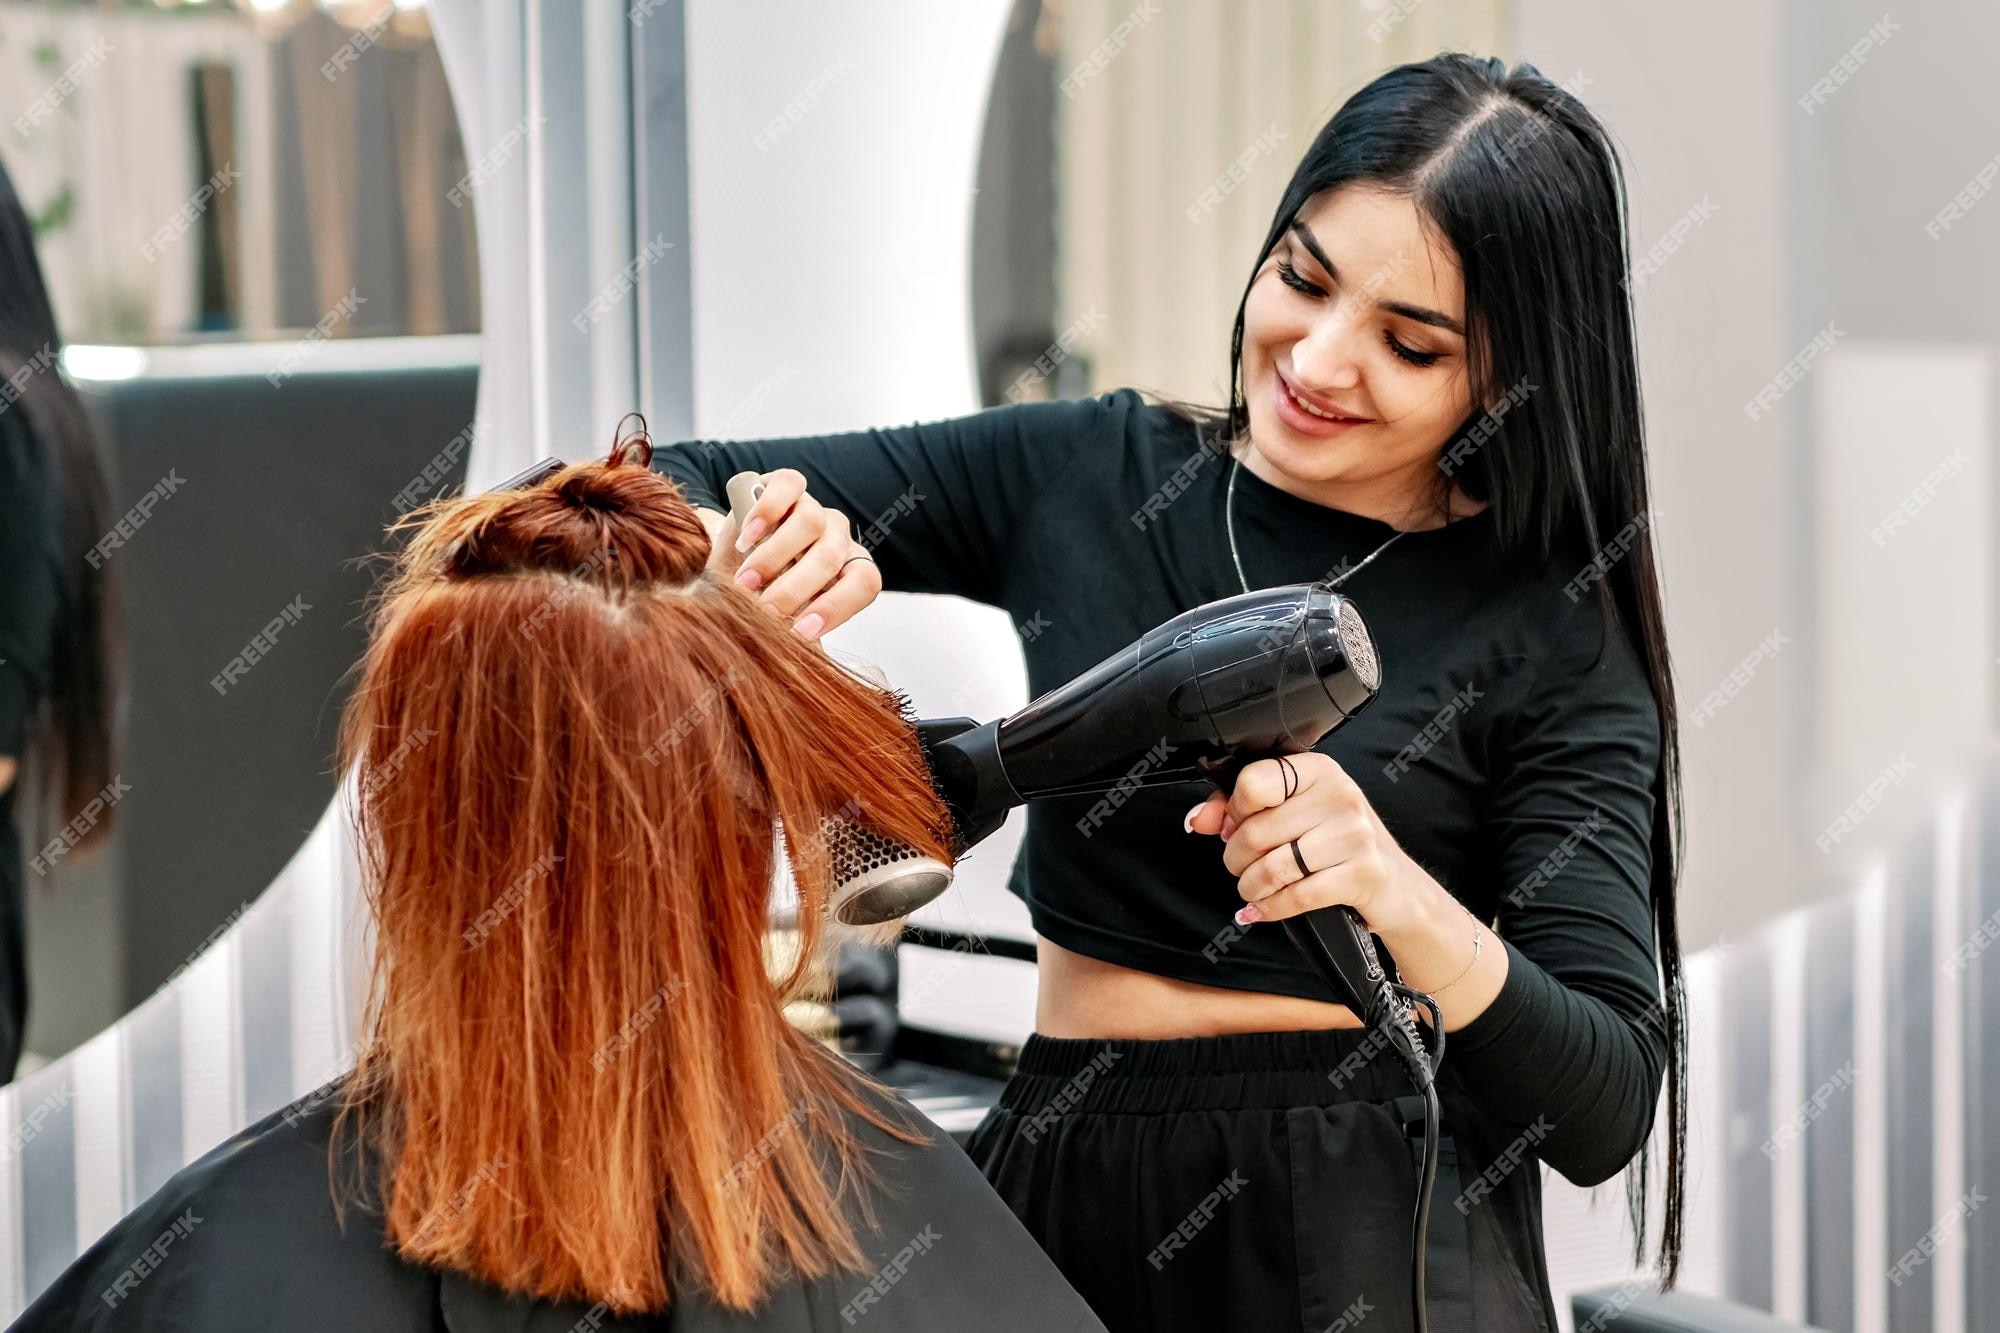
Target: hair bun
<point>616,523</point>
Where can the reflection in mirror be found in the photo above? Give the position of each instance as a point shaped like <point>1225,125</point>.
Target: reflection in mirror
<point>255,222</point>
<point>202,171</point>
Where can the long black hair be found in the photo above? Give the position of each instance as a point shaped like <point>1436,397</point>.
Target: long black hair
<point>1525,185</point>
<point>70,741</point>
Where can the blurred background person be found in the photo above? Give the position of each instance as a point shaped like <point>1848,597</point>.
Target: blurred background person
<point>57,637</point>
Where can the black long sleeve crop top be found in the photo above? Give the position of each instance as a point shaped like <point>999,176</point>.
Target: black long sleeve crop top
<point>1512,750</point>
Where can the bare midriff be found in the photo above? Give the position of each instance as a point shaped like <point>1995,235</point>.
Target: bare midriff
<point>1079,996</point>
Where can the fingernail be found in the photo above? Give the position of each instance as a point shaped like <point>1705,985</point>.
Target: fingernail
<point>749,578</point>
<point>1228,826</point>
<point>810,625</point>
<point>751,532</point>
<point>1187,820</point>
<point>1247,914</point>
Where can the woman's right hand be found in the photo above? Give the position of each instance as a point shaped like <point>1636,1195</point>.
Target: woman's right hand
<point>801,557</point>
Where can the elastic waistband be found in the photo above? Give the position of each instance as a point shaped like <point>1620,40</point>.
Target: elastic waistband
<point>1237,1071</point>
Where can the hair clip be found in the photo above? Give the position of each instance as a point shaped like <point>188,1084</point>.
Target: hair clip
<point>534,475</point>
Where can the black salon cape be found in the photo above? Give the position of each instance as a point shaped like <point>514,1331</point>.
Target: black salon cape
<point>245,1239</point>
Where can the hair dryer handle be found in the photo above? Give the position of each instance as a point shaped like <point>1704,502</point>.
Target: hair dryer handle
<point>1333,939</point>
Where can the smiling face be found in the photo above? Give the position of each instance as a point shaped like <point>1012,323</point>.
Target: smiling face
<point>1354,357</point>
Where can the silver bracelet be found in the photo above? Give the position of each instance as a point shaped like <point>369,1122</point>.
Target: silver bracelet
<point>1477,944</point>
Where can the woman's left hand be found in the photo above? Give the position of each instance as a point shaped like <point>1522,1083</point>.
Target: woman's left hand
<point>1352,857</point>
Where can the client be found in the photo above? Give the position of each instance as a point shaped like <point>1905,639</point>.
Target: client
<point>578,1103</point>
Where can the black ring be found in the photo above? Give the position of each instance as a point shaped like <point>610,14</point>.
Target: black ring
<point>1291,776</point>
<point>852,558</point>
<point>1300,857</point>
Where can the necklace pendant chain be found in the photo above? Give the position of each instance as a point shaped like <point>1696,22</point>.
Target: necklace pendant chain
<point>1229,526</point>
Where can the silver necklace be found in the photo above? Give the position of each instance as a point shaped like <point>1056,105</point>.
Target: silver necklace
<point>1229,525</point>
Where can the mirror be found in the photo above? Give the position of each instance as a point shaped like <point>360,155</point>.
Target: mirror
<point>246,213</point>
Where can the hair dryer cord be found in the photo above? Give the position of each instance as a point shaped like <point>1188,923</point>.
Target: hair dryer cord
<point>1422,1064</point>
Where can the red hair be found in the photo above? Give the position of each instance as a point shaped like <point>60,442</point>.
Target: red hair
<point>574,742</point>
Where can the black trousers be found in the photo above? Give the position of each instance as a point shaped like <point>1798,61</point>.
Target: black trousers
<point>1253,1182</point>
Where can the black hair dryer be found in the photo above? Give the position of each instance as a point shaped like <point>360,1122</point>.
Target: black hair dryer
<point>1214,689</point>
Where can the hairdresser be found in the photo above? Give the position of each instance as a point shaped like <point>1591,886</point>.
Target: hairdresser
<point>1435,406</point>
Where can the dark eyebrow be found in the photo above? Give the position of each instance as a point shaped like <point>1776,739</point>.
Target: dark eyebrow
<point>1421,314</point>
